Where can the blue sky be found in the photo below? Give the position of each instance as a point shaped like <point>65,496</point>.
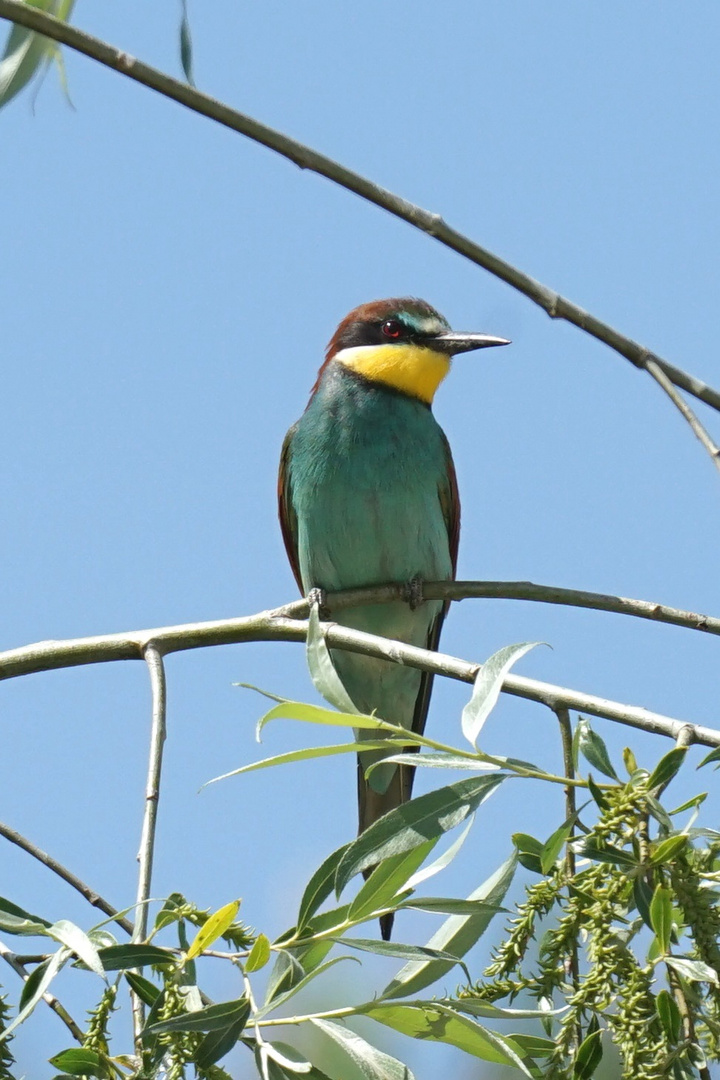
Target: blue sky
<point>167,289</point>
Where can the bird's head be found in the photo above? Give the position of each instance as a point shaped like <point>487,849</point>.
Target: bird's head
<point>403,343</point>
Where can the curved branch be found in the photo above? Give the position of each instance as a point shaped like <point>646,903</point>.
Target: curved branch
<point>514,590</point>
<point>679,401</point>
<point>67,875</point>
<point>556,306</point>
<point>57,1007</point>
<point>270,626</point>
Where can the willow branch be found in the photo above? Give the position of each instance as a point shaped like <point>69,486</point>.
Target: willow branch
<point>678,400</point>
<point>269,626</point>
<point>50,999</point>
<point>75,652</point>
<point>77,883</point>
<point>513,590</point>
<point>153,658</point>
<point>556,306</point>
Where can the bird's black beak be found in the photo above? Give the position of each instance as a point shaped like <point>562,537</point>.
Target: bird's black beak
<point>452,342</point>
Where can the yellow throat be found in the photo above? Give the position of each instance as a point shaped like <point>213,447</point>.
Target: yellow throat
<point>413,369</point>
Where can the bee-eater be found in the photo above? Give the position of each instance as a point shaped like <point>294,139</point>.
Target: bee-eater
<point>368,495</point>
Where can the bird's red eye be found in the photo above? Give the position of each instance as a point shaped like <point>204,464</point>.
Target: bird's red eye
<point>393,328</point>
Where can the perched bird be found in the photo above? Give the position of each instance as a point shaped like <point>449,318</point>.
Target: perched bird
<point>368,495</point>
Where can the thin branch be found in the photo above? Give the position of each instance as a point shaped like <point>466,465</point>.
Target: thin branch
<point>563,717</point>
<point>267,626</point>
<point>77,883</point>
<point>50,999</point>
<point>678,400</point>
<point>556,306</point>
<point>513,590</point>
<point>572,963</point>
<point>156,668</point>
<point>47,655</point>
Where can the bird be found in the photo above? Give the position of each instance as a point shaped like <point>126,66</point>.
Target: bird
<point>368,495</point>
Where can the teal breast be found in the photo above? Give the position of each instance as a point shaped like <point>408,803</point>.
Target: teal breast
<point>367,470</point>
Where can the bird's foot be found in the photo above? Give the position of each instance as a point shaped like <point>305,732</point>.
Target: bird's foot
<point>413,592</point>
<point>318,596</point>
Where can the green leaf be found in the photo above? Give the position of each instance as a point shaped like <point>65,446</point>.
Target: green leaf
<point>693,804</point>
<point>695,970</point>
<point>554,845</point>
<point>642,894</point>
<point>457,935</point>
<point>661,916</point>
<point>495,1012</point>
<point>437,760</point>
<point>319,886</point>
<point>213,929</point>
<point>714,755</point>
<point>446,905</point>
<point>528,851</point>
<point>666,850</point>
<point>404,952</point>
<point>35,987</point>
<point>78,1062</point>
<point>607,853</point>
<point>387,880</point>
<point>435,1022</point>
<point>667,767</point>
<point>596,793</point>
<point>67,933</point>
<point>443,860</point>
<point>358,1059</point>
<point>147,992</point>
<point>275,1000</point>
<point>669,1015</point>
<point>259,954</point>
<point>589,1054</point>
<point>307,754</point>
<point>15,920</point>
<point>487,686</point>
<point>414,823</point>
<point>287,1057</point>
<point>295,963</point>
<point>316,714</point>
<point>186,49</point>
<point>534,1045</point>
<point>322,670</point>
<point>219,1042</point>
<point>593,749</point>
<point>212,1018</point>
<point>27,52</point>
<point>122,957</point>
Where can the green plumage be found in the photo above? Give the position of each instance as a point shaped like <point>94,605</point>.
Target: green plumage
<point>368,496</point>
<point>367,479</point>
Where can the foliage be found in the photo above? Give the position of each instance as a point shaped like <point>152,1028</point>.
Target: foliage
<point>617,937</point>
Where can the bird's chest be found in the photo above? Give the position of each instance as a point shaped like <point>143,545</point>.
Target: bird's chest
<point>366,478</point>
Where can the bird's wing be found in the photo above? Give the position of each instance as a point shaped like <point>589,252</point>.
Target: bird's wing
<point>450,503</point>
<point>286,510</point>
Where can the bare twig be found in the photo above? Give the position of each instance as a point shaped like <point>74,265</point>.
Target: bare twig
<point>512,590</point>
<point>563,716</point>
<point>677,399</point>
<point>67,875</point>
<point>156,668</point>
<point>572,964</point>
<point>154,660</point>
<point>558,307</point>
<point>50,999</point>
